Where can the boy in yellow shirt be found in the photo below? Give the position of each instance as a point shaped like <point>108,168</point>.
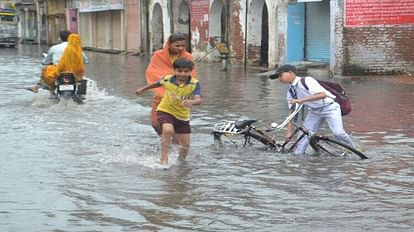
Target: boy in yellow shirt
<point>173,113</point>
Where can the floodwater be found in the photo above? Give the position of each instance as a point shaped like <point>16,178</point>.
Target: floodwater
<point>93,167</point>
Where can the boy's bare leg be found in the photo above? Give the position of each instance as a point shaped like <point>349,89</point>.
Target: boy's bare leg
<point>167,132</point>
<point>184,142</point>
<point>154,120</point>
<point>174,139</point>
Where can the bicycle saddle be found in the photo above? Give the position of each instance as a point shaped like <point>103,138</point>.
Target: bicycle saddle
<point>241,124</point>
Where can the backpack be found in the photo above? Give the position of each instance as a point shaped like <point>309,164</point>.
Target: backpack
<point>336,89</point>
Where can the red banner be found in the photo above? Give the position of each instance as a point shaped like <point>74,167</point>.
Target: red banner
<point>360,13</point>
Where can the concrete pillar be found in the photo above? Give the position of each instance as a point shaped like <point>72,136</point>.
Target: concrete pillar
<point>39,23</point>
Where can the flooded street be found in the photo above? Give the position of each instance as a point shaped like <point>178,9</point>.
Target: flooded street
<point>93,167</point>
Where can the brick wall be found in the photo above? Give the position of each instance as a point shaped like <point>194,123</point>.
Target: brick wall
<point>378,50</point>
<point>134,26</point>
<point>236,38</point>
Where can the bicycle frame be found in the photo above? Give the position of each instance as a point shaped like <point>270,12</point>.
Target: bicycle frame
<point>305,132</point>
<point>319,143</point>
<point>246,128</point>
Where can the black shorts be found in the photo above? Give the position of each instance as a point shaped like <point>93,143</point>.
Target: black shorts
<point>180,126</point>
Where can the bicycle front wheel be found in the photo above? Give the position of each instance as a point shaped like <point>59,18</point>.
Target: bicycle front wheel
<point>331,147</point>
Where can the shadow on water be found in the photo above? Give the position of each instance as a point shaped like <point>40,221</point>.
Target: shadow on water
<point>94,167</point>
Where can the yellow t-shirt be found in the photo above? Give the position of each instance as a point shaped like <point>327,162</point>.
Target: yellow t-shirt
<point>175,94</point>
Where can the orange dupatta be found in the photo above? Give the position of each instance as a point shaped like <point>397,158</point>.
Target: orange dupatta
<point>161,66</point>
<point>72,59</point>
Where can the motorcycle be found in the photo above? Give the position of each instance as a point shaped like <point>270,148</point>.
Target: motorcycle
<point>68,88</point>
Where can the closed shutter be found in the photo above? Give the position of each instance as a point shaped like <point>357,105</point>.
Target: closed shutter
<point>317,38</point>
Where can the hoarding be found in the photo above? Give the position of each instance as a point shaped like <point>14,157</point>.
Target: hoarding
<point>360,13</point>
<point>100,5</point>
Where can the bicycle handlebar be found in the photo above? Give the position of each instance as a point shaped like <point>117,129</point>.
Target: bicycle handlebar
<point>289,118</point>
<point>231,128</point>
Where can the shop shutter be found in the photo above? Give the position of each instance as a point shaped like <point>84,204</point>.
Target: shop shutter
<point>317,34</point>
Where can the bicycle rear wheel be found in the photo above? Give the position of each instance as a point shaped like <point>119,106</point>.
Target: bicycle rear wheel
<point>259,136</point>
<point>329,146</point>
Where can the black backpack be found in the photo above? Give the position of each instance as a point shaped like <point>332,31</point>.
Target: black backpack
<point>336,89</point>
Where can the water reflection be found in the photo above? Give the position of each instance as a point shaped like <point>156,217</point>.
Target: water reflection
<point>382,109</point>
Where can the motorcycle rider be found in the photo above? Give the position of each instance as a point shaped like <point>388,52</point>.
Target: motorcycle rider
<point>52,59</point>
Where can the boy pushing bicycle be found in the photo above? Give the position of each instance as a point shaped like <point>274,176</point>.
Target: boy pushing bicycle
<point>318,100</point>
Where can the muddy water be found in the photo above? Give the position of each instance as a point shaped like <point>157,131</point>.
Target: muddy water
<point>93,167</point>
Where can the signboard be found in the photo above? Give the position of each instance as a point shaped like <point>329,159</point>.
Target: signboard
<point>360,13</point>
<point>100,5</point>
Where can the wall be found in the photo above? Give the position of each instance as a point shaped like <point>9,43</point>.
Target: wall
<point>164,21</point>
<point>133,7</point>
<point>378,37</point>
<point>205,26</point>
<point>236,37</point>
<point>103,30</point>
<point>337,51</point>
<point>85,29</point>
<point>117,30</point>
<point>199,27</point>
<point>181,22</point>
<point>378,50</point>
<point>56,20</point>
<point>181,16</point>
<point>103,26</point>
<point>281,41</point>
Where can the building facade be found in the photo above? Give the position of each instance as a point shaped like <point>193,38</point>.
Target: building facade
<point>102,24</point>
<point>377,37</point>
<point>56,20</point>
<point>349,36</point>
<point>32,21</point>
<point>133,26</point>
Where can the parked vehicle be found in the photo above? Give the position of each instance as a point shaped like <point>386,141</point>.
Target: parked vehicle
<point>8,24</point>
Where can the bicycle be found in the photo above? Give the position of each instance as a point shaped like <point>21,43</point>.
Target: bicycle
<point>320,143</point>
